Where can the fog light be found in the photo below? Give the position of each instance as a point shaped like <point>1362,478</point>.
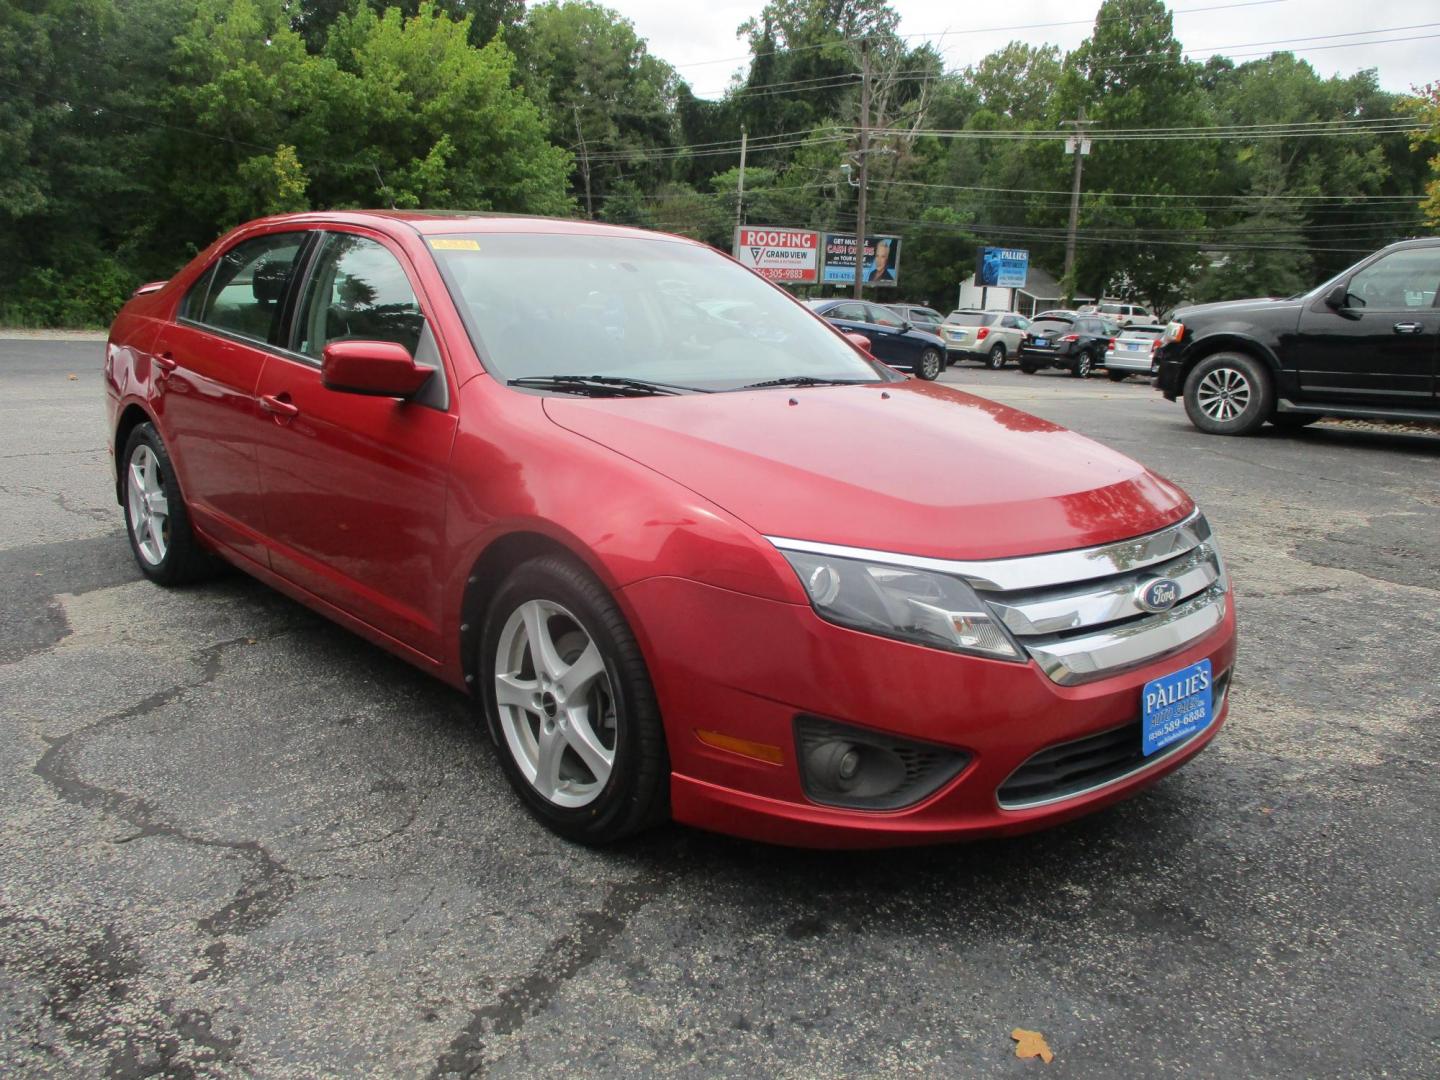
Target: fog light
<point>846,766</point>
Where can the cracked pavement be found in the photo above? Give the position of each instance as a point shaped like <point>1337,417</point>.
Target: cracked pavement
<point>241,842</point>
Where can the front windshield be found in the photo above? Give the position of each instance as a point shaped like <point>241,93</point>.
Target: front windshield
<point>633,308</point>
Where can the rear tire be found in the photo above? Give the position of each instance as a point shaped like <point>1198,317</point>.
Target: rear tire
<point>929,366</point>
<point>995,358</point>
<point>578,727</point>
<point>1084,364</point>
<point>1117,376</point>
<point>156,518</point>
<point>1028,369</point>
<point>1229,393</point>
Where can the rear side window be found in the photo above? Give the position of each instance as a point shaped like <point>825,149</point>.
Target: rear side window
<point>847,311</point>
<point>1051,326</point>
<point>357,292</point>
<point>970,318</point>
<point>881,316</point>
<point>243,292</point>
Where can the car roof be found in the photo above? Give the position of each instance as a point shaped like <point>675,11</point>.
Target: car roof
<point>439,222</point>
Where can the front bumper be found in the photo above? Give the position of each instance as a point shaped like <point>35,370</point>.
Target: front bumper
<point>746,667</point>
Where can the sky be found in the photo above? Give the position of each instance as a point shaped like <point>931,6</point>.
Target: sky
<point>1335,36</point>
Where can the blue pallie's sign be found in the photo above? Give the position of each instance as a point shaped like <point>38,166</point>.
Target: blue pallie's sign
<point>1005,268</point>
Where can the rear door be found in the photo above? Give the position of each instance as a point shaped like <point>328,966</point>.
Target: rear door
<point>1381,346</point>
<point>214,353</point>
<point>355,486</point>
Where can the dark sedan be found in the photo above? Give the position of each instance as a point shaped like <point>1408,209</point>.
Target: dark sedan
<point>892,339</point>
<point>1059,339</point>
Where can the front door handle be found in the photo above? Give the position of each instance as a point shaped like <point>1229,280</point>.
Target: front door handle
<point>278,406</point>
<point>166,362</point>
<point>1409,327</point>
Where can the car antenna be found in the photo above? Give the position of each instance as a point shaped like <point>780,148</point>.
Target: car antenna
<point>381,179</point>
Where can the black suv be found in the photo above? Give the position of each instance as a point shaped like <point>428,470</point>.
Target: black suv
<point>1364,344</point>
<point>1065,340</point>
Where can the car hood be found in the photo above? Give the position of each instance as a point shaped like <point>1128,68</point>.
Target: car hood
<point>1237,308</point>
<point>907,467</point>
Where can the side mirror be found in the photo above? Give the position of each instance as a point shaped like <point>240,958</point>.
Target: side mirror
<point>377,368</point>
<point>1335,298</point>
<point>861,342</point>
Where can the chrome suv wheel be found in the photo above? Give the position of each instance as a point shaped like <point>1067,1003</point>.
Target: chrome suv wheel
<point>570,704</point>
<point>1229,394</point>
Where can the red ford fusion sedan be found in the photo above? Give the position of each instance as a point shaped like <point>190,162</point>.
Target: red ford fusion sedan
<point>694,554</point>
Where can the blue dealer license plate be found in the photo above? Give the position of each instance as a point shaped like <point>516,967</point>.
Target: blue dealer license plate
<point>1175,706</point>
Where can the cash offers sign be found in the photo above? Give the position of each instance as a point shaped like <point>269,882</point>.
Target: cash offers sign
<point>789,255</point>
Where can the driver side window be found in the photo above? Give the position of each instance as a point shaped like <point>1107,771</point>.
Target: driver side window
<point>1402,280</point>
<point>358,292</point>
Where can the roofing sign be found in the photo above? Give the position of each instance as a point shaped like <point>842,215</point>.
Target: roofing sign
<point>788,255</point>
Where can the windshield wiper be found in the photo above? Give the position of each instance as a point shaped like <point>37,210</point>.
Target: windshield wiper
<point>601,385</point>
<point>803,380</point>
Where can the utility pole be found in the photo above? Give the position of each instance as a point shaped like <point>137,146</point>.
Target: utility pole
<point>584,166</point>
<point>864,156</point>
<point>1078,145</point>
<point>740,192</point>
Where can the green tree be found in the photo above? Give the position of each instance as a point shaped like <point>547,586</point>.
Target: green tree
<point>602,92</point>
<point>1130,73</point>
<point>1426,103</point>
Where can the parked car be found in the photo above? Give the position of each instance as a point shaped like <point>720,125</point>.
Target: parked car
<point>682,571</point>
<point>1060,339</point>
<point>892,339</point>
<point>1133,352</point>
<point>1364,344</point>
<point>988,336</point>
<point>924,318</point>
<point>1120,313</point>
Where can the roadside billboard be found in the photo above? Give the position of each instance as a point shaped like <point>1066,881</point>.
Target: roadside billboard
<point>786,255</point>
<point>1005,268</point>
<point>882,259</point>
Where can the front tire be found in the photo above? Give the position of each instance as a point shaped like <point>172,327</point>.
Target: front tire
<point>156,518</point>
<point>995,358</point>
<point>1229,393</point>
<point>570,704</point>
<point>929,366</point>
<point>1028,369</point>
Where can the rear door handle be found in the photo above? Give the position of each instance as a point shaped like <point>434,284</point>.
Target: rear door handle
<point>278,406</point>
<point>1409,327</point>
<point>166,362</point>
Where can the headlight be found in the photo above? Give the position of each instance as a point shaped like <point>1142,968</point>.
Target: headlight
<point>1174,331</point>
<point>919,606</point>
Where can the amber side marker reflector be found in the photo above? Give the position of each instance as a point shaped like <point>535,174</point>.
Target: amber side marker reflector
<point>771,755</point>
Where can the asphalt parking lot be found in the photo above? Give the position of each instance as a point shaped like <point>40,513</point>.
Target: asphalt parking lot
<point>238,841</point>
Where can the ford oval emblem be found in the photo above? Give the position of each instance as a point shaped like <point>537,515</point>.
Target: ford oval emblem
<point>1158,594</point>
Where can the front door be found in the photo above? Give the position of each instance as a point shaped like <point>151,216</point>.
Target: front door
<point>213,355</point>
<point>355,486</point>
<point>1380,346</point>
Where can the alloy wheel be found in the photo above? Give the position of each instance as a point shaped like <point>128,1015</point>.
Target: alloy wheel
<point>148,505</point>
<point>1223,394</point>
<point>556,704</point>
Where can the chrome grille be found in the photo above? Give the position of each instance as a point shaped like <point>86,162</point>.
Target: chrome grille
<point>1078,615</point>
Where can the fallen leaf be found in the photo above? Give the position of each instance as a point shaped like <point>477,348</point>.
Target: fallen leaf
<point>249,641</point>
<point>73,377</point>
<point>1030,1044</point>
